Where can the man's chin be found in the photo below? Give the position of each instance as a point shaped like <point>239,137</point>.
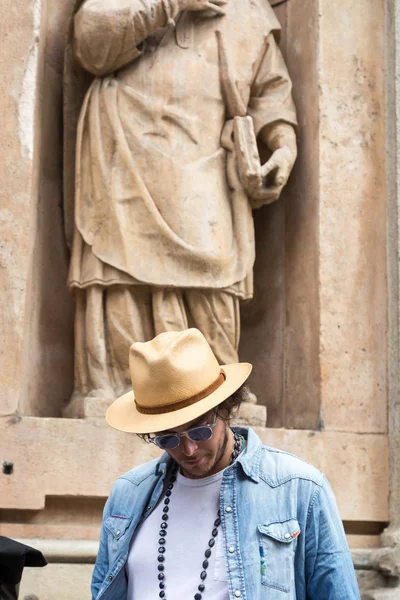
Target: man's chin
<point>197,468</point>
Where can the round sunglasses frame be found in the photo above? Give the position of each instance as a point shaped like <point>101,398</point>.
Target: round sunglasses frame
<point>157,438</point>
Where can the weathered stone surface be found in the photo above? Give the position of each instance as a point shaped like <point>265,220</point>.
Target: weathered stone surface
<point>387,561</point>
<point>349,454</point>
<point>261,341</point>
<point>61,581</point>
<point>369,580</point>
<point>65,518</point>
<point>47,530</point>
<point>352,216</point>
<point>83,407</point>
<point>281,326</point>
<point>324,317</point>
<point>381,594</point>
<point>253,415</point>
<point>19,66</point>
<point>388,558</point>
<point>49,327</point>
<point>71,457</point>
<point>34,327</point>
<point>300,369</point>
<point>363,541</point>
<point>65,551</point>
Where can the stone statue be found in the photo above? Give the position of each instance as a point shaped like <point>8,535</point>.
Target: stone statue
<point>168,172</point>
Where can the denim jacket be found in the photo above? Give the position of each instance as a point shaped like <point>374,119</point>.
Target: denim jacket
<point>283,536</point>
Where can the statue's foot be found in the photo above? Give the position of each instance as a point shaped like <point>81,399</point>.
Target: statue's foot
<point>85,404</point>
<point>89,404</point>
<point>251,398</point>
<point>103,393</point>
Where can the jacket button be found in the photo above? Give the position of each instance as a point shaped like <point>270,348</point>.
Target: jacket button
<point>231,549</point>
<point>118,532</point>
<point>228,509</point>
<point>110,578</point>
<point>238,594</point>
<point>287,536</point>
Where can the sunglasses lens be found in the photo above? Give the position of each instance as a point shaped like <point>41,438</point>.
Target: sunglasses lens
<point>167,442</point>
<point>200,434</point>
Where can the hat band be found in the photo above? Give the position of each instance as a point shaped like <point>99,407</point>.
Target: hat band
<point>166,408</point>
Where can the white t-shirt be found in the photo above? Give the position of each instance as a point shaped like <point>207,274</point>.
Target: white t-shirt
<point>192,511</point>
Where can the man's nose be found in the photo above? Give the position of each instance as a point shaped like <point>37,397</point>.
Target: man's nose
<point>187,446</point>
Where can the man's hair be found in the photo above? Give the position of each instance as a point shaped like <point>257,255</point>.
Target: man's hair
<point>224,411</point>
<point>229,407</point>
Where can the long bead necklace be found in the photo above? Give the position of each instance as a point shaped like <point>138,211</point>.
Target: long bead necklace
<point>237,449</point>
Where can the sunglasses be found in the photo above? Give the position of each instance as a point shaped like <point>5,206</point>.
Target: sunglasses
<point>169,441</point>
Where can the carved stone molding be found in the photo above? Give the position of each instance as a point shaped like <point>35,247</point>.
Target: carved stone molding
<point>386,560</point>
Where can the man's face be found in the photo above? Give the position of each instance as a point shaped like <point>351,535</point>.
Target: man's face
<point>201,459</point>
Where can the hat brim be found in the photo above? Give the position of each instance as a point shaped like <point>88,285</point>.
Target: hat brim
<point>124,416</point>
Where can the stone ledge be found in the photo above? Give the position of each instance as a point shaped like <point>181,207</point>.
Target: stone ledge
<point>254,415</point>
<point>362,558</point>
<point>86,408</point>
<point>69,457</point>
<point>65,551</point>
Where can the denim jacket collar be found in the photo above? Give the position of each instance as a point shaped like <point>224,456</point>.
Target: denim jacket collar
<point>250,460</point>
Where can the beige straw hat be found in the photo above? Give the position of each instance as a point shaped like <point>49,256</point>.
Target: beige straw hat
<point>176,378</point>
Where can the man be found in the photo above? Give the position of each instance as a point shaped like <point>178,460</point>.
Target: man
<point>164,234</point>
<point>219,515</point>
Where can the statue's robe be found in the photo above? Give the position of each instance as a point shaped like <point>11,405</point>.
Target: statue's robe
<point>157,199</point>
<point>162,229</point>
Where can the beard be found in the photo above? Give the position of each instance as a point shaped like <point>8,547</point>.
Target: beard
<point>205,470</point>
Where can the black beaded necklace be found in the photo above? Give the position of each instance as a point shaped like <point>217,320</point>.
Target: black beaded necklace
<point>237,449</point>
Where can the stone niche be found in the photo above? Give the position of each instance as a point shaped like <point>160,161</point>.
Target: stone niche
<point>316,330</point>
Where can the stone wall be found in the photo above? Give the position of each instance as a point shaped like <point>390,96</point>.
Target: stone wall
<point>36,333</point>
<point>317,329</point>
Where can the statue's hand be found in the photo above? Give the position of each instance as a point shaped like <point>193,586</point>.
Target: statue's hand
<point>274,176</point>
<point>202,5</point>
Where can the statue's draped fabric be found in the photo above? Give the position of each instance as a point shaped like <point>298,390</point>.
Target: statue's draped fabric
<point>164,235</point>
<point>153,201</point>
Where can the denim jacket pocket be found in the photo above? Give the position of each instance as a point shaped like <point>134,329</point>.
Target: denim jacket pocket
<point>277,544</point>
<point>117,525</point>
